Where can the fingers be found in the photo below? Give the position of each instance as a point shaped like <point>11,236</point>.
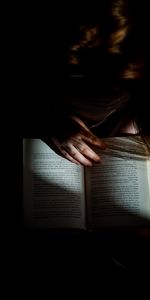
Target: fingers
<point>61,151</point>
<point>75,148</point>
<point>79,156</point>
<point>77,152</point>
<point>82,153</point>
<point>93,140</point>
<point>69,157</point>
<point>85,150</point>
<point>87,135</point>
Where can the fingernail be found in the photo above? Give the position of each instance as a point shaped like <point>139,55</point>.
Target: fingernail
<point>89,164</point>
<point>98,160</point>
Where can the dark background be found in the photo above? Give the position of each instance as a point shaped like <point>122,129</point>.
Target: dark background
<point>39,36</point>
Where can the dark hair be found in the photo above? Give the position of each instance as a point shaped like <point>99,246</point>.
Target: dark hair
<point>111,39</point>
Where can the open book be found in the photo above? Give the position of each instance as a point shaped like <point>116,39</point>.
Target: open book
<point>60,194</point>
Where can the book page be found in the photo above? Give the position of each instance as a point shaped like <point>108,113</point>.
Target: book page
<point>118,191</point>
<point>148,171</point>
<point>53,188</point>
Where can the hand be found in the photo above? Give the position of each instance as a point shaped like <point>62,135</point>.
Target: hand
<point>73,139</point>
